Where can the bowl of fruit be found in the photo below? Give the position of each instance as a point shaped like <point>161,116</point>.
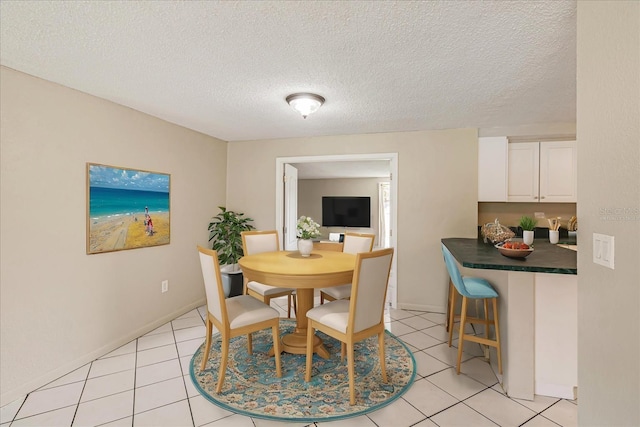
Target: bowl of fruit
<point>514,249</point>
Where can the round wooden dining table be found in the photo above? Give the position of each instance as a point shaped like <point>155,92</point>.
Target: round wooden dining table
<point>288,269</point>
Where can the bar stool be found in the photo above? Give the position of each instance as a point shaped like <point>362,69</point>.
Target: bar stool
<point>471,288</point>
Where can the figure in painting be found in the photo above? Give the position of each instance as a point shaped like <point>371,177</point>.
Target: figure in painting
<point>149,227</point>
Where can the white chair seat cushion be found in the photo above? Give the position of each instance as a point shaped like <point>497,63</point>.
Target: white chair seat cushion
<point>338,292</point>
<point>245,310</point>
<point>334,314</point>
<point>266,290</point>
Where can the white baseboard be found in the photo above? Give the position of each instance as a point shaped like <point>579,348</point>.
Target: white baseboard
<point>556,390</point>
<point>29,386</point>
<point>423,307</point>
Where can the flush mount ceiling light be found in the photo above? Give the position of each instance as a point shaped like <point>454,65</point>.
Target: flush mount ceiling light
<point>305,103</point>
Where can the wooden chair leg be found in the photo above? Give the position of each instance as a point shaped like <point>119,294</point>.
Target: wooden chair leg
<point>497,328</point>
<point>383,366</point>
<point>447,323</point>
<point>223,363</point>
<point>310,332</point>
<point>487,322</point>
<point>463,319</point>
<point>294,299</point>
<point>207,344</point>
<point>275,331</point>
<point>249,343</point>
<point>351,368</point>
<point>289,306</point>
<point>452,306</point>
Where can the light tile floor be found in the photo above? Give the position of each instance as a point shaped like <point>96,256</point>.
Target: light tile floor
<point>146,383</point>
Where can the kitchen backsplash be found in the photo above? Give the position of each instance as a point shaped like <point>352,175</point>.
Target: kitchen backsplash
<point>509,213</point>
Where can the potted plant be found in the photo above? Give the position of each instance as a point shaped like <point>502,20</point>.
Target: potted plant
<point>528,224</point>
<point>225,236</point>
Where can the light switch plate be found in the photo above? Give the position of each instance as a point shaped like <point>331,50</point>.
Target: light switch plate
<point>603,250</point>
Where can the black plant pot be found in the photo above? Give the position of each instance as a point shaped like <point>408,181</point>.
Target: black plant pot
<point>232,279</point>
<point>237,284</point>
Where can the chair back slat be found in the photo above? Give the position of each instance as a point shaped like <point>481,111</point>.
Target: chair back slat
<point>369,289</point>
<point>454,272</point>
<point>255,242</point>
<point>355,243</point>
<point>213,283</point>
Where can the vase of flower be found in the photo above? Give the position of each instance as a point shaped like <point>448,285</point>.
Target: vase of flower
<point>305,246</point>
<point>306,230</point>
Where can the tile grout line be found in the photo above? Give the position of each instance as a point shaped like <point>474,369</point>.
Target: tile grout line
<point>84,386</point>
<point>18,411</point>
<point>549,407</point>
<point>15,417</point>
<point>135,378</point>
<point>186,391</point>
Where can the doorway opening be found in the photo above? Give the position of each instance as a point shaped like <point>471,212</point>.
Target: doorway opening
<point>286,200</point>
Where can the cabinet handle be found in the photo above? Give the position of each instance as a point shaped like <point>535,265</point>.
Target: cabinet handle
<point>542,197</point>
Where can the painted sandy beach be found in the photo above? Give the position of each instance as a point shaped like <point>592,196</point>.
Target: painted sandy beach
<point>112,233</point>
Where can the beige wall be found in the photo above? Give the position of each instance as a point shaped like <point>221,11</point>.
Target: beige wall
<point>310,192</point>
<point>609,203</point>
<point>61,308</point>
<point>437,195</point>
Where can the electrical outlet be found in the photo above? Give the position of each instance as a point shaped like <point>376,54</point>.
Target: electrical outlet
<point>603,250</point>
<point>539,215</point>
<point>165,286</point>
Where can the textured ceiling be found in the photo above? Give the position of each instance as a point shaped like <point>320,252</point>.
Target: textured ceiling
<point>224,68</point>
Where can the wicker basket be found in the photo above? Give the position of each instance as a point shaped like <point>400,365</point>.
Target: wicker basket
<point>494,232</point>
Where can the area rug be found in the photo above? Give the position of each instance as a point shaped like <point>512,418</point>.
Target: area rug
<point>252,388</point>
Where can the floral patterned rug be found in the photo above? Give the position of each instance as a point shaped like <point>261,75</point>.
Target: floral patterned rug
<point>251,387</point>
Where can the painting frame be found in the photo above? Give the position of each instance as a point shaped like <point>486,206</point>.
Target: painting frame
<point>127,208</point>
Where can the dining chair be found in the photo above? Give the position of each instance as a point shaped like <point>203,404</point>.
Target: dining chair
<point>233,316</point>
<point>360,317</point>
<point>353,243</point>
<point>255,242</point>
<point>474,288</point>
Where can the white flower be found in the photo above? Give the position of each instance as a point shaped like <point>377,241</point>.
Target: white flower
<point>307,228</point>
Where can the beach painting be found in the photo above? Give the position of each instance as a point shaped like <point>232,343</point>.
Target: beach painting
<point>126,208</point>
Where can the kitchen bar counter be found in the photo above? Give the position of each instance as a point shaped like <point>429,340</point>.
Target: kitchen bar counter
<point>538,314</point>
<point>545,258</point>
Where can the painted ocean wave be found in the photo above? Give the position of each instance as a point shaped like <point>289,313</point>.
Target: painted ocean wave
<point>111,202</point>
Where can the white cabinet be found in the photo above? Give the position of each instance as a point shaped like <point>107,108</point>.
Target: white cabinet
<point>542,172</point>
<point>558,171</point>
<point>524,171</point>
<point>492,169</point>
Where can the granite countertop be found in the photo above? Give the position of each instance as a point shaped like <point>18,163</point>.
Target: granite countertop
<point>546,258</point>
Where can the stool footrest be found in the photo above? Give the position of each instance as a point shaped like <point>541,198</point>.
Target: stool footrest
<point>476,320</point>
<point>481,340</point>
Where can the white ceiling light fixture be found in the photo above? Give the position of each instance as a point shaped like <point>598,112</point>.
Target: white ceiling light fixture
<point>305,103</point>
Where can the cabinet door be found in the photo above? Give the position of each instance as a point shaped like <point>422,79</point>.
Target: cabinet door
<point>492,169</point>
<point>558,171</point>
<point>524,167</point>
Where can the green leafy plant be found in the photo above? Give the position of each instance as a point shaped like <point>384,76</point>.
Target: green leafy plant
<point>527,223</point>
<point>224,233</point>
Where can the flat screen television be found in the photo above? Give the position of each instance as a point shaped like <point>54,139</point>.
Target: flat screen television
<point>342,211</point>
